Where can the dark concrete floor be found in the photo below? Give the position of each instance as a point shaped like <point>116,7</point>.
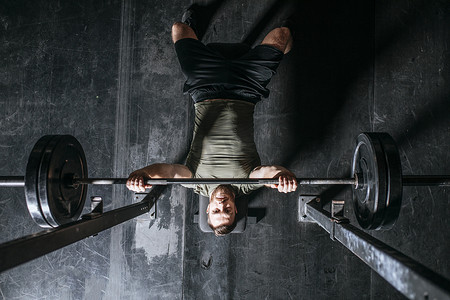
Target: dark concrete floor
<point>106,72</point>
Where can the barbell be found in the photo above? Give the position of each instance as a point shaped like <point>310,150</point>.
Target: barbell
<point>56,180</point>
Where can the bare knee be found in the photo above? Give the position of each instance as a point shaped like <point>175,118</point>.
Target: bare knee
<point>181,31</point>
<point>279,38</point>
<point>178,28</point>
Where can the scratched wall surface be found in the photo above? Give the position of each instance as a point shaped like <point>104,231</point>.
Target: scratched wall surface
<point>58,76</point>
<point>358,66</point>
<point>106,72</point>
<point>86,68</point>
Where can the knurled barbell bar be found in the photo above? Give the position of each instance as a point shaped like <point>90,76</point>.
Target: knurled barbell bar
<point>56,180</point>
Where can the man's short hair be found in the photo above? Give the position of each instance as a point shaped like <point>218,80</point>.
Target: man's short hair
<point>223,229</point>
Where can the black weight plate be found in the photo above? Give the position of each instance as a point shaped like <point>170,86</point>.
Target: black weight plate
<point>395,187</point>
<point>62,159</point>
<point>369,162</point>
<point>31,181</point>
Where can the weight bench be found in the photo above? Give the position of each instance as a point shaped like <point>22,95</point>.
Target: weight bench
<point>245,215</point>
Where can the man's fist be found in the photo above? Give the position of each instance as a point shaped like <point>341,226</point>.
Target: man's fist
<point>136,180</point>
<point>287,182</point>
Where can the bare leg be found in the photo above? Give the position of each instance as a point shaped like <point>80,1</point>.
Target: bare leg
<point>279,38</point>
<point>182,31</point>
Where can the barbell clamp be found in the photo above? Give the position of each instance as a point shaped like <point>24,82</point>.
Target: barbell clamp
<point>96,208</point>
<point>337,216</point>
<point>359,181</point>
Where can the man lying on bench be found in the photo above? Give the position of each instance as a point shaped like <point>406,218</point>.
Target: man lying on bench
<point>225,81</point>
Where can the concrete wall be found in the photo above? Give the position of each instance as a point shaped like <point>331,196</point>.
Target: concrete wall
<point>106,72</point>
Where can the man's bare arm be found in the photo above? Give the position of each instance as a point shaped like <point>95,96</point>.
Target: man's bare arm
<point>287,181</point>
<point>136,179</point>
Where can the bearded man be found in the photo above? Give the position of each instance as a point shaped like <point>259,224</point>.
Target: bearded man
<point>225,82</point>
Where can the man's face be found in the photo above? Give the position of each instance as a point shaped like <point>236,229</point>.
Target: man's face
<point>222,208</point>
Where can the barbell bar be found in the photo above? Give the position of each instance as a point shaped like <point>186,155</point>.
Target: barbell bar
<point>407,180</point>
<point>56,180</point>
<point>19,181</point>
